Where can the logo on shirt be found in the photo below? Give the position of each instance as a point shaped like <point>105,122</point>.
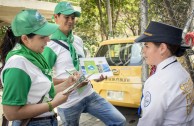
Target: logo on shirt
<point>147,99</point>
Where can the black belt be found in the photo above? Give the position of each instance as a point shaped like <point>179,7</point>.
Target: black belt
<point>44,118</point>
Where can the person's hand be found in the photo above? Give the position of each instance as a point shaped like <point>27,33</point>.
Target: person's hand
<point>101,78</point>
<point>59,99</point>
<point>77,74</point>
<point>70,80</point>
<point>83,83</point>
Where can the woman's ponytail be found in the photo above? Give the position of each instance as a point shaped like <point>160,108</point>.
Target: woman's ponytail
<point>180,52</point>
<point>9,41</point>
<point>176,50</point>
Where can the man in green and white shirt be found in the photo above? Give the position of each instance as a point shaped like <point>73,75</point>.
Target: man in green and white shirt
<point>84,99</point>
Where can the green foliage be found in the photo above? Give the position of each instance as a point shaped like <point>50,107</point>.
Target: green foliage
<point>174,12</point>
<point>86,26</point>
<point>92,26</point>
<point>129,18</point>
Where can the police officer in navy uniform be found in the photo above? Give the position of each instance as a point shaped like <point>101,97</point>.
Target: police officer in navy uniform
<point>167,94</point>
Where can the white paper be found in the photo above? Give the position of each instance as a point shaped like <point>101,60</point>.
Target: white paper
<point>97,66</point>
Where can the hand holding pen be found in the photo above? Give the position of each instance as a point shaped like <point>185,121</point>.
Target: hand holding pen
<point>83,81</point>
<point>75,74</point>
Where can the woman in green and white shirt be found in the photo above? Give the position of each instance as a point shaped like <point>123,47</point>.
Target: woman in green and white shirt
<point>26,76</point>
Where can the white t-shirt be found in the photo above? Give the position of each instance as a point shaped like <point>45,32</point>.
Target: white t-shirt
<point>60,60</point>
<point>24,83</point>
<point>167,97</point>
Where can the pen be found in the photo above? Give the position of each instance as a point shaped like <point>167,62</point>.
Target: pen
<point>68,72</point>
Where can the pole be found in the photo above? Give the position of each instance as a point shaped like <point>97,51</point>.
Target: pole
<point>144,20</point>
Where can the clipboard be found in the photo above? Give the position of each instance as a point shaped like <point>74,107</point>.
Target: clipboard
<point>75,85</point>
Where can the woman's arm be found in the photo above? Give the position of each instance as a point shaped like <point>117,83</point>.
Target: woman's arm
<point>18,112</point>
<point>26,111</point>
<point>32,110</point>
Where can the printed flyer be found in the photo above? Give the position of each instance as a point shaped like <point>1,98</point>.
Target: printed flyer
<point>96,66</point>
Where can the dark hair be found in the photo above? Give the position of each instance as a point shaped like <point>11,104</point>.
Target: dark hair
<point>59,14</point>
<point>9,41</point>
<point>176,50</point>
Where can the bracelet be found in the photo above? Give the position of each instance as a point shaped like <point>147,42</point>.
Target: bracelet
<point>50,106</point>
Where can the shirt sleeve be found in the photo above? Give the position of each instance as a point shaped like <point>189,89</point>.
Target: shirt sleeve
<point>154,104</point>
<point>17,84</point>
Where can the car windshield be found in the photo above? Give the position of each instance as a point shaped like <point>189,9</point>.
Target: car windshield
<point>122,54</point>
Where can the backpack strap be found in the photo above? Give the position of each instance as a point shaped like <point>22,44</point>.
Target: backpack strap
<point>60,43</point>
<point>5,122</point>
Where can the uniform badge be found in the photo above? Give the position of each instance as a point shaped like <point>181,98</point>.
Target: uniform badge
<point>147,99</point>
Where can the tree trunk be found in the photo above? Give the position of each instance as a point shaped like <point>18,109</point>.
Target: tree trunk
<point>170,12</point>
<point>102,25</point>
<point>109,18</point>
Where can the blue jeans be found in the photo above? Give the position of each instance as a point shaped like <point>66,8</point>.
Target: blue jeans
<point>46,122</point>
<point>96,106</point>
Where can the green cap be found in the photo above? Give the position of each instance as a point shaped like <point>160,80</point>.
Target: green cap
<point>66,8</point>
<point>31,21</point>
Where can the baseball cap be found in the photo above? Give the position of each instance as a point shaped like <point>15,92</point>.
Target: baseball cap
<point>160,32</point>
<point>31,21</point>
<point>66,8</point>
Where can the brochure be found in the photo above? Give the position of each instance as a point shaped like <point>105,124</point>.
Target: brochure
<point>96,66</point>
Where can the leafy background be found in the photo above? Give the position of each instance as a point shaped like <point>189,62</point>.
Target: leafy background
<point>93,28</point>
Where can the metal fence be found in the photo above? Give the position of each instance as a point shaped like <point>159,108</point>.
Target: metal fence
<point>178,13</point>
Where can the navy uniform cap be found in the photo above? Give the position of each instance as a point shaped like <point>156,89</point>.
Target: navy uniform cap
<point>159,32</point>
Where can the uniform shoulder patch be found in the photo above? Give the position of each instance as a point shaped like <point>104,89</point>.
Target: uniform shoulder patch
<point>147,99</point>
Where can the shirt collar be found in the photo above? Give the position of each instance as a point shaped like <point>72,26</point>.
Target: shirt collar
<point>165,62</point>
